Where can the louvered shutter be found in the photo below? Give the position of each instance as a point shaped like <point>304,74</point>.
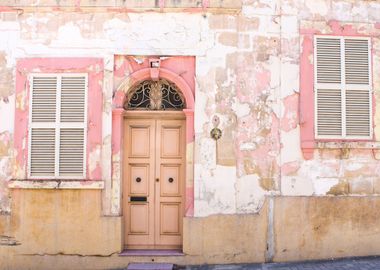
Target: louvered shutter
<point>43,116</point>
<point>342,88</point>
<point>57,126</point>
<point>358,91</point>
<point>71,154</point>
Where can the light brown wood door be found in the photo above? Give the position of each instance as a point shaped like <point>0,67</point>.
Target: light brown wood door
<point>154,183</point>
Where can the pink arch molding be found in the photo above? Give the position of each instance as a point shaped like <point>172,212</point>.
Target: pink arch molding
<point>144,74</point>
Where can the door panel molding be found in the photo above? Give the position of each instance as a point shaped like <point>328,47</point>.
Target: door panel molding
<point>154,166</point>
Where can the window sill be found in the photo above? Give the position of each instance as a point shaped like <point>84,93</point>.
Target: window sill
<point>308,147</point>
<point>348,145</point>
<point>55,184</point>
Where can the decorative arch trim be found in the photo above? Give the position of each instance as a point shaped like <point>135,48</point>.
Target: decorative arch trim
<point>144,74</point>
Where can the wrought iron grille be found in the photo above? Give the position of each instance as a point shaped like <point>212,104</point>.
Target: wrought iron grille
<point>155,95</point>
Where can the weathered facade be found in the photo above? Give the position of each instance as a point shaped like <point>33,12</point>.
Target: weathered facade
<point>270,189</point>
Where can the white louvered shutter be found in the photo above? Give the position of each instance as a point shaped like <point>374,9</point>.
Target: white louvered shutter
<point>358,90</point>
<point>342,88</point>
<point>42,138</point>
<point>71,149</point>
<point>57,126</point>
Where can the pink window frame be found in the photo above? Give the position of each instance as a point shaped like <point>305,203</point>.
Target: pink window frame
<point>93,67</point>
<point>307,108</point>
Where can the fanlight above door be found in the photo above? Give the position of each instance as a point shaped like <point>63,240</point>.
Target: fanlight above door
<point>155,95</point>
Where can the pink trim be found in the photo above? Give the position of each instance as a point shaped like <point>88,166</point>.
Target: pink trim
<point>189,125</point>
<point>94,68</point>
<point>308,141</point>
<point>144,74</point>
<point>117,131</point>
<point>307,97</point>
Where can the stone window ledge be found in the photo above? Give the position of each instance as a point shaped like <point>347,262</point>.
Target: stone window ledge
<point>55,184</point>
<point>347,145</point>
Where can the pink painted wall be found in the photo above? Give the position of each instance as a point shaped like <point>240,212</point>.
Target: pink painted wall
<point>94,68</point>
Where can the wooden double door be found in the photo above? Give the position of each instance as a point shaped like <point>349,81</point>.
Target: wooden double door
<point>154,146</point>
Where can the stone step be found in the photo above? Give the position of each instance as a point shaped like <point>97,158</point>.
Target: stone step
<point>150,266</point>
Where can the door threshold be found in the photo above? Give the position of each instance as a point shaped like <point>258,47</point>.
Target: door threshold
<point>151,252</point>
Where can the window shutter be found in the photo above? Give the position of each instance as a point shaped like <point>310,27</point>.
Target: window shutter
<point>358,94</point>
<point>71,152</point>
<point>42,151</point>
<point>42,148</point>
<point>342,88</point>
<point>329,112</point>
<point>328,60</point>
<point>73,99</point>
<point>57,126</point>
<point>329,101</point>
<point>73,94</point>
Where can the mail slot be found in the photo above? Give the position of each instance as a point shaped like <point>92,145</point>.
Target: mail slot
<point>138,199</point>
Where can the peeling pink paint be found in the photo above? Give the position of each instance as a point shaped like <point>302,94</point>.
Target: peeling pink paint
<point>307,98</point>
<point>93,67</point>
<point>342,30</point>
<point>290,119</point>
<point>290,168</point>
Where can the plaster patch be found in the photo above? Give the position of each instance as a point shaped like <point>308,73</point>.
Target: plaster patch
<point>249,194</point>
<point>323,185</point>
<point>289,24</point>
<point>94,163</point>
<point>289,79</point>
<point>240,109</point>
<point>296,186</point>
<point>200,116</point>
<point>291,149</point>
<point>318,6</point>
<point>7,109</point>
<point>216,192</point>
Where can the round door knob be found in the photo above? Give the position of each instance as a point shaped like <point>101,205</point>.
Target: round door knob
<point>170,180</point>
<point>157,179</point>
<point>138,179</point>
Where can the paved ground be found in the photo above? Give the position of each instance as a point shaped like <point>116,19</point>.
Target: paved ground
<point>372,263</point>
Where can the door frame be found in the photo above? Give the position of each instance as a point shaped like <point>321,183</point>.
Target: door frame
<point>113,190</point>
<point>152,115</point>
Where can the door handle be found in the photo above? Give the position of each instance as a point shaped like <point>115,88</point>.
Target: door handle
<point>138,179</point>
<point>157,179</point>
<point>170,180</point>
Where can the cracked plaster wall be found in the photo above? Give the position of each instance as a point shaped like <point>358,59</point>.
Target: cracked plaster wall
<point>247,74</point>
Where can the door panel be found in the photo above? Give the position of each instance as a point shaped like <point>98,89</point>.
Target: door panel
<point>154,168</point>
<point>139,216</point>
<point>170,180</point>
<point>170,141</point>
<point>139,179</point>
<point>140,135</point>
<point>138,174</point>
<point>170,216</point>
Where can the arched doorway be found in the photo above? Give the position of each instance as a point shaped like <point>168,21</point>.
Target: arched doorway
<point>154,169</point>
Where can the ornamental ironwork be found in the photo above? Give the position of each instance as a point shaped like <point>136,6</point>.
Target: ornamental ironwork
<point>155,95</point>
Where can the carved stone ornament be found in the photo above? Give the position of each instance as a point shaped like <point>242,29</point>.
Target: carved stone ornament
<point>155,95</point>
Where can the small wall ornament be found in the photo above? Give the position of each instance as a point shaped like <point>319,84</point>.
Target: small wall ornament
<point>215,133</point>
